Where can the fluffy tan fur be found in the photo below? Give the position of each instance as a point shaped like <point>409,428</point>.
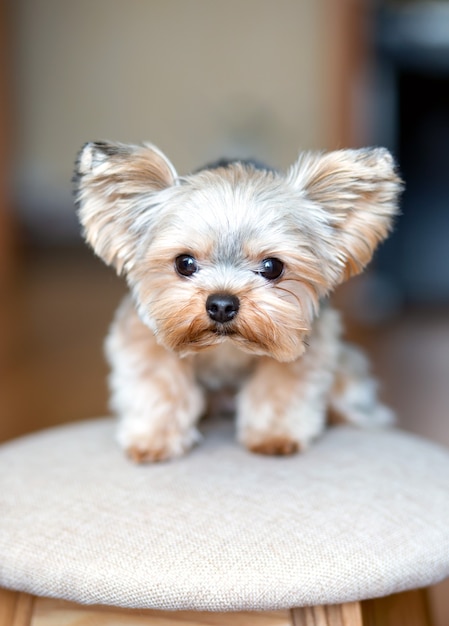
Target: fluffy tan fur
<point>282,352</point>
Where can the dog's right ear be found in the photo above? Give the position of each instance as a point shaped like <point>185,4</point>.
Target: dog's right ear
<point>116,188</point>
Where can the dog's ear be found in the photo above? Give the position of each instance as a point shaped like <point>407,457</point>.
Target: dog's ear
<point>355,194</point>
<point>116,187</point>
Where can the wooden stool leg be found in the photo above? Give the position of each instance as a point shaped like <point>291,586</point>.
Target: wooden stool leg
<point>402,609</point>
<point>349,614</point>
<point>16,609</point>
<point>410,608</point>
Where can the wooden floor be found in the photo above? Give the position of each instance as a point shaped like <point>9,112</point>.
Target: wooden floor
<point>55,314</point>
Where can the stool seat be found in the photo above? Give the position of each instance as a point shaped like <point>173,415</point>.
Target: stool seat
<point>359,515</point>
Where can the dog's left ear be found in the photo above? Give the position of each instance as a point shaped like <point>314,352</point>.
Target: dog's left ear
<point>116,187</point>
<point>355,194</point>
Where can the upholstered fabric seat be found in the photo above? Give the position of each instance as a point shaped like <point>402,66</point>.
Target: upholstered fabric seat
<point>359,515</point>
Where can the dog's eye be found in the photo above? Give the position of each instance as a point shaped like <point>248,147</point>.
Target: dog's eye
<point>186,265</point>
<point>271,269</point>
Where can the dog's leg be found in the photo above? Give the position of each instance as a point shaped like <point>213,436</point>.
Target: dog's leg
<point>283,406</point>
<point>153,391</point>
<point>354,397</point>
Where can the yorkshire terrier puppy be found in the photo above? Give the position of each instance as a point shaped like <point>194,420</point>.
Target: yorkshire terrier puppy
<point>228,269</point>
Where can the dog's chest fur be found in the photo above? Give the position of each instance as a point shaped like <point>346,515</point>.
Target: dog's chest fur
<point>223,366</point>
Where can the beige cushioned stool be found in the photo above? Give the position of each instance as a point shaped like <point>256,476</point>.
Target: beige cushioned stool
<point>360,515</point>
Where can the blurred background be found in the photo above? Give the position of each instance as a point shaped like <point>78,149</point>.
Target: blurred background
<point>202,79</point>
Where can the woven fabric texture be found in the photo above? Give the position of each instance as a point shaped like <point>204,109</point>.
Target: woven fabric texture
<point>357,516</point>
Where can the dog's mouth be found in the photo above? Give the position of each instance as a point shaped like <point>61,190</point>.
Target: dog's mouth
<point>209,336</point>
<point>206,339</point>
<point>247,341</point>
<point>223,331</point>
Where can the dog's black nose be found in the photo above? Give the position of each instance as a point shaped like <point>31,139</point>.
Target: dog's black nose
<point>222,307</point>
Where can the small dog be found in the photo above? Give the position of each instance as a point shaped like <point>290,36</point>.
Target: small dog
<point>228,269</point>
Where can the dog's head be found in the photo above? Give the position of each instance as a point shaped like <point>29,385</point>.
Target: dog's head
<point>234,253</point>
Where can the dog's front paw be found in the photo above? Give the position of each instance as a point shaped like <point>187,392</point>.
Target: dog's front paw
<point>150,445</point>
<point>275,445</point>
<point>270,443</point>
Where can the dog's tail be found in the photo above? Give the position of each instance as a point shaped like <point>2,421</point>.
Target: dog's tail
<point>354,396</point>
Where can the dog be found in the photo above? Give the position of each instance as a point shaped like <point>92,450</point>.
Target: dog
<point>229,269</point>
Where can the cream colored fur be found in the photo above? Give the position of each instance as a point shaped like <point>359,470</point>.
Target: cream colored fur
<point>281,353</point>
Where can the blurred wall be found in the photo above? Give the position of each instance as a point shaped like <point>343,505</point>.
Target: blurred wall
<point>200,78</point>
